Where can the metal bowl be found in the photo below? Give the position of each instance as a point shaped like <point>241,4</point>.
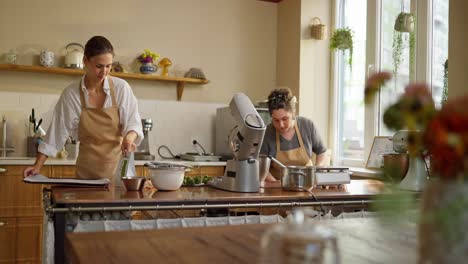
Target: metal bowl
<point>133,183</point>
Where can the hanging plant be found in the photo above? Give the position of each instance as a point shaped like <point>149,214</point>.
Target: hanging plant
<point>404,23</point>
<point>445,88</point>
<point>342,39</point>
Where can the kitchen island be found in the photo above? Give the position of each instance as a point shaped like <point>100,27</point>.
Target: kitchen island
<point>360,240</point>
<point>64,200</point>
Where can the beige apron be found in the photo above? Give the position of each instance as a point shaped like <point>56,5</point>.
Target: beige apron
<point>293,157</point>
<point>100,137</point>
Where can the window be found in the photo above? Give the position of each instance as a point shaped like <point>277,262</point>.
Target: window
<point>372,22</point>
<point>350,145</point>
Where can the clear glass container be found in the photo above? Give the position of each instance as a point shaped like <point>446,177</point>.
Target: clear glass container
<point>299,241</point>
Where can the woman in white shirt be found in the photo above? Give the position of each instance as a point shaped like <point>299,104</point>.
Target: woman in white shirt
<point>101,111</point>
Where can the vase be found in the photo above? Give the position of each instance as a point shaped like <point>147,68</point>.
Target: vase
<point>148,68</point>
<point>443,232</point>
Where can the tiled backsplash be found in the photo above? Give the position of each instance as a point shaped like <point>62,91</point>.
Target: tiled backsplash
<point>175,124</point>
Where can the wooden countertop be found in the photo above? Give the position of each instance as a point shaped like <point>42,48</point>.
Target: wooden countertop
<point>357,189</point>
<point>360,240</point>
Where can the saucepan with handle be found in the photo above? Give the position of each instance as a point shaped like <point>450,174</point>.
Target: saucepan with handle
<point>296,178</point>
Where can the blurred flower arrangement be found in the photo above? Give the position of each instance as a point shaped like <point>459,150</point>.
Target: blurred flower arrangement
<point>443,133</point>
<point>148,56</point>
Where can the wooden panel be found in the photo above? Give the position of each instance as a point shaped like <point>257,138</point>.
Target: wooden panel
<point>7,240</point>
<point>63,171</point>
<point>141,171</point>
<point>29,238</point>
<point>206,170</point>
<point>212,170</point>
<point>18,198</point>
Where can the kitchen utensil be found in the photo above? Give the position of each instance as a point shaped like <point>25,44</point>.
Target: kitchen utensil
<point>38,125</point>
<point>296,178</point>
<point>74,57</point>
<point>133,183</point>
<point>165,176</point>
<point>143,150</point>
<point>196,73</point>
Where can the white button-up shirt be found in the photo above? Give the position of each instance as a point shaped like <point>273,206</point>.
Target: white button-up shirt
<point>66,116</point>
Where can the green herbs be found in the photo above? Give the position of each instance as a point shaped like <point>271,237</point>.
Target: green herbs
<point>342,39</point>
<point>196,180</point>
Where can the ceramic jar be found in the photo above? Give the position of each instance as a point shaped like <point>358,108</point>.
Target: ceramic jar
<point>148,68</point>
<point>47,58</point>
<point>10,57</point>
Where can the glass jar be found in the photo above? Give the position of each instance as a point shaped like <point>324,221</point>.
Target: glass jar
<point>299,241</point>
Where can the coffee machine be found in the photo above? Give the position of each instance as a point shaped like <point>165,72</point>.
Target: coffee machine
<point>143,150</point>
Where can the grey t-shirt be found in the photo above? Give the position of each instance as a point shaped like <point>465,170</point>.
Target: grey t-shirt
<point>310,137</point>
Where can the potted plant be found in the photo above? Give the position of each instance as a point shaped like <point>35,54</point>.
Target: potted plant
<point>342,39</point>
<point>445,88</point>
<point>147,59</point>
<point>404,23</point>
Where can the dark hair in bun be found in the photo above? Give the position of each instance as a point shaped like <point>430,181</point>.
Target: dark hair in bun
<point>282,98</point>
<point>98,45</point>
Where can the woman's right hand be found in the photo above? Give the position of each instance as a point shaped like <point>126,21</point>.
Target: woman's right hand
<point>30,171</point>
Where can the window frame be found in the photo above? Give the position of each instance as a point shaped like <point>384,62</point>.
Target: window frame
<point>422,72</point>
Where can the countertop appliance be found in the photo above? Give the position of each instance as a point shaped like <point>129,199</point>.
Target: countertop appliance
<point>416,177</point>
<point>225,122</point>
<point>143,150</point>
<point>245,141</point>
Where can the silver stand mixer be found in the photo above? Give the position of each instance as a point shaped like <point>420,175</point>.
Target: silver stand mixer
<point>143,150</point>
<point>245,140</point>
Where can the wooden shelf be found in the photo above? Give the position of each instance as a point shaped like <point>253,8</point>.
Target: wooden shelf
<point>134,76</point>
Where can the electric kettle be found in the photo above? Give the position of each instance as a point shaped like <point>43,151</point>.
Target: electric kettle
<point>74,57</point>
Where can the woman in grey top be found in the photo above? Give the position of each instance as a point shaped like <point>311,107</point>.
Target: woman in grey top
<point>289,138</point>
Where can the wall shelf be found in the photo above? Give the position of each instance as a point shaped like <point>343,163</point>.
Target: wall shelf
<point>134,76</point>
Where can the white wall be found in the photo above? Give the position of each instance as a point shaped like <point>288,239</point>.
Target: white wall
<point>233,41</point>
<point>304,63</point>
<point>314,93</point>
<point>174,123</point>
<point>458,53</point>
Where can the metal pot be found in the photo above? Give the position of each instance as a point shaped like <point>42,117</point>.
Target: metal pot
<point>296,178</point>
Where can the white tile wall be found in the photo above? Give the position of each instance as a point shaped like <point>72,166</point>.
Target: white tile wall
<point>175,124</point>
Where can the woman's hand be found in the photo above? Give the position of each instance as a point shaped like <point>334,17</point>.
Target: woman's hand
<point>128,144</point>
<point>36,168</point>
<point>30,171</point>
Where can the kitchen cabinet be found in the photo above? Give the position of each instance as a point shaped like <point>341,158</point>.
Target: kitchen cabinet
<point>181,81</point>
<point>21,216</point>
<point>206,170</point>
<point>68,171</point>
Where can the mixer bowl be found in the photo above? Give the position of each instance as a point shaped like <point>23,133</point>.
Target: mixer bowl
<point>396,165</point>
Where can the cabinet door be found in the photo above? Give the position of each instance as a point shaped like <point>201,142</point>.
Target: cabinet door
<point>206,170</point>
<point>18,198</point>
<point>28,240</point>
<point>7,240</point>
<point>63,171</point>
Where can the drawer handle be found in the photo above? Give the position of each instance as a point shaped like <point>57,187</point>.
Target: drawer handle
<point>3,170</point>
<point>3,223</point>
